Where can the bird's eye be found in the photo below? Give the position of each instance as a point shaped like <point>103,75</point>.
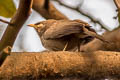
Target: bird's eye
<point>40,25</point>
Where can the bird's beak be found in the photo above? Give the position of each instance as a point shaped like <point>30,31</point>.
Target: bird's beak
<point>32,25</point>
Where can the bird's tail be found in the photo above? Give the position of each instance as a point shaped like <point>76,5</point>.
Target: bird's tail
<point>90,33</point>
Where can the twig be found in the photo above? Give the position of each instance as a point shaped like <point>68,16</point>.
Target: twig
<point>4,21</point>
<point>18,20</point>
<point>81,12</point>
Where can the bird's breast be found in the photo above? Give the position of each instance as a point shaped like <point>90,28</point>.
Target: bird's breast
<point>59,44</point>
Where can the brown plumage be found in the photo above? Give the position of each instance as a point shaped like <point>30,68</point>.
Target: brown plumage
<point>58,35</point>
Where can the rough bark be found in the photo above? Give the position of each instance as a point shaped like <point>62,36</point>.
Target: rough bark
<point>57,65</point>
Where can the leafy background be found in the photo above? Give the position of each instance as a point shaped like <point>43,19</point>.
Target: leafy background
<point>7,8</point>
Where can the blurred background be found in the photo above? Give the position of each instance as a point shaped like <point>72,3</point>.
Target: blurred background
<point>103,11</point>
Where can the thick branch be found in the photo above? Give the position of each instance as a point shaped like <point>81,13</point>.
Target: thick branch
<point>51,13</point>
<point>60,65</point>
<point>84,14</point>
<point>18,20</point>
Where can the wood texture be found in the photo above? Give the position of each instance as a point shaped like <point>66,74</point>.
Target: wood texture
<point>48,65</point>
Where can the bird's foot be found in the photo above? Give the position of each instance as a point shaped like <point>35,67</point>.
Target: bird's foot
<point>65,46</point>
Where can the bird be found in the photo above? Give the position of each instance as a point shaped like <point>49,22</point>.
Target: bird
<point>65,35</point>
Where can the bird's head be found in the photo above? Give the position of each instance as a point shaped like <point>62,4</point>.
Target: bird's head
<point>43,25</point>
<point>39,27</point>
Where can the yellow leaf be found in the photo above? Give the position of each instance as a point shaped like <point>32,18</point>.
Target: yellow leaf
<point>7,8</point>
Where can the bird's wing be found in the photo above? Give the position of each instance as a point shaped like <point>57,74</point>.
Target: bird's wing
<point>63,28</point>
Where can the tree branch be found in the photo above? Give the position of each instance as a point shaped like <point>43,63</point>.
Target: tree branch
<point>51,13</point>
<point>4,21</point>
<point>18,20</point>
<point>59,65</point>
<point>84,14</point>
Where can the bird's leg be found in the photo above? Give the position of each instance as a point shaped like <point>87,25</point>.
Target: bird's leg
<point>78,46</point>
<point>65,46</point>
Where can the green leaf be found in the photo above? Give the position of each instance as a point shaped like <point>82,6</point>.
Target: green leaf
<point>7,8</point>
